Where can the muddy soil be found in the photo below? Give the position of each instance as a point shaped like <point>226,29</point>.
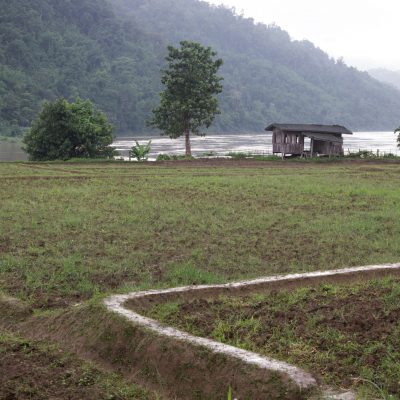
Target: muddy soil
<point>35,371</point>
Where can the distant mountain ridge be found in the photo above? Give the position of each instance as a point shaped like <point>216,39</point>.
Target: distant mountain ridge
<point>386,76</point>
<point>111,51</point>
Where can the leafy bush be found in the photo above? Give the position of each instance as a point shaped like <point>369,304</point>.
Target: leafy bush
<point>183,157</point>
<point>258,157</point>
<point>367,154</point>
<point>140,151</point>
<point>362,154</point>
<point>267,158</point>
<point>238,156</point>
<point>171,157</point>
<point>64,130</point>
<point>164,157</point>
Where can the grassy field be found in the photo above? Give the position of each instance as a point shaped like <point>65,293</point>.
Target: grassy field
<point>71,232</point>
<point>347,335</point>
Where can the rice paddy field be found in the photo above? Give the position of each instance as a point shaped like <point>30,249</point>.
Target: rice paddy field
<point>346,335</point>
<point>73,233</point>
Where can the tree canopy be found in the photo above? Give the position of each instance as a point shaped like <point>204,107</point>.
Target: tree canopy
<point>188,101</point>
<point>66,130</point>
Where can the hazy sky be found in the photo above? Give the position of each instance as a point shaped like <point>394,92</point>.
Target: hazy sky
<point>366,33</point>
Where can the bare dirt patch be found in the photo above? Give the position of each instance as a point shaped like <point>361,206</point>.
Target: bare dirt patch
<point>32,370</point>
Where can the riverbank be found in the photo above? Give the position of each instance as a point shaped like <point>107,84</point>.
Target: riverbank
<point>257,144</point>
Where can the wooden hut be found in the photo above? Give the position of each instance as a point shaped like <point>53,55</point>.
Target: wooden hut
<point>308,140</point>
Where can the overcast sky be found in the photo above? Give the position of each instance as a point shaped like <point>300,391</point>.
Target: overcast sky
<point>366,33</point>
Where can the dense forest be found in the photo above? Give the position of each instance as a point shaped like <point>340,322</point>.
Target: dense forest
<point>111,51</point>
<point>71,48</point>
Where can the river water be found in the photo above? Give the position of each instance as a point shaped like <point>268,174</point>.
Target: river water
<point>220,145</point>
<point>255,143</point>
<point>11,151</point>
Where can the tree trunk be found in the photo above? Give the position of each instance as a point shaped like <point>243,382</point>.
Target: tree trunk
<point>187,145</point>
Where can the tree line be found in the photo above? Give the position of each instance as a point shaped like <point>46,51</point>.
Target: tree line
<point>66,130</point>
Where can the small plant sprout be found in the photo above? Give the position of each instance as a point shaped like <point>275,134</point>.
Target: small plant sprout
<point>140,151</point>
<point>230,393</point>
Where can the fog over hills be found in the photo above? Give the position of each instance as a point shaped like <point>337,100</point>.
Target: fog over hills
<point>386,76</point>
<point>112,52</point>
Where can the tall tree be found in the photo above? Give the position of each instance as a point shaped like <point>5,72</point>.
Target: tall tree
<point>397,131</point>
<point>188,102</point>
<point>66,130</point>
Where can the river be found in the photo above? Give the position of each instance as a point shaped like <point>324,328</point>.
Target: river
<point>11,151</point>
<point>255,143</point>
<point>220,145</point>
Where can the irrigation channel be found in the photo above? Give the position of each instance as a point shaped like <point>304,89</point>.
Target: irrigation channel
<point>304,380</point>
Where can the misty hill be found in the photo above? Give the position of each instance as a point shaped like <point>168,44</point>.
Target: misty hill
<point>51,48</point>
<point>112,51</point>
<point>386,76</point>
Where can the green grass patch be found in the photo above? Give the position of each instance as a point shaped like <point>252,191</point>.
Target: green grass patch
<point>70,231</point>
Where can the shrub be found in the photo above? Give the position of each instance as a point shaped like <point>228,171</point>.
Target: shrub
<point>164,157</point>
<point>66,130</point>
<point>238,156</point>
<point>170,157</point>
<point>140,151</point>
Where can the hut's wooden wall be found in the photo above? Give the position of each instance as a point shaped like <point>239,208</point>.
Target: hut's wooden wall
<point>287,142</point>
<point>293,143</point>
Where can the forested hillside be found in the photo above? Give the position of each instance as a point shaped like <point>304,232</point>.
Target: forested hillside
<point>111,51</point>
<point>52,48</point>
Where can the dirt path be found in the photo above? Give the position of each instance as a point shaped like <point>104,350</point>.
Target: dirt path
<point>123,304</point>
